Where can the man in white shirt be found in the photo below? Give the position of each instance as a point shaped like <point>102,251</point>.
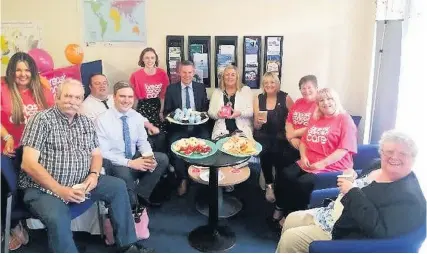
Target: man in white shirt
<point>123,140</point>
<point>99,100</point>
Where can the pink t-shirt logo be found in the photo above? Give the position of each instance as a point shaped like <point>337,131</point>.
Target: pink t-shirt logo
<point>318,135</point>
<point>29,111</point>
<point>153,90</point>
<point>301,118</point>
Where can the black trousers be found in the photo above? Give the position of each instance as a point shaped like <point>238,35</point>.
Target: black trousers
<point>293,188</point>
<point>179,132</point>
<point>276,151</point>
<point>158,142</point>
<point>141,183</point>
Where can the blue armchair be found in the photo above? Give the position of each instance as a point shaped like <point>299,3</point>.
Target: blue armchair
<point>362,160</point>
<point>18,210</point>
<point>409,243</point>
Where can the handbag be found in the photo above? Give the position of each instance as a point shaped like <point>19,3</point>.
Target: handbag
<point>141,228</point>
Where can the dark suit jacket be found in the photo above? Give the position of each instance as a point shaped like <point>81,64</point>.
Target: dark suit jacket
<point>173,98</point>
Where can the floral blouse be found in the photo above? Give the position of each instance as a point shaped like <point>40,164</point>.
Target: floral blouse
<point>323,215</point>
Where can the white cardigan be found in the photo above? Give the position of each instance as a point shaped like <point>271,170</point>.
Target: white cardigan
<point>243,103</point>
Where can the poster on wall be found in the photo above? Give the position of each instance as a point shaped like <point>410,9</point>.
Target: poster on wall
<point>18,36</point>
<point>114,21</point>
<point>57,76</point>
<point>273,54</point>
<point>251,61</point>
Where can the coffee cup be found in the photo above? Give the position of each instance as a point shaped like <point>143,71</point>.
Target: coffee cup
<point>148,155</point>
<point>82,187</point>
<point>262,116</point>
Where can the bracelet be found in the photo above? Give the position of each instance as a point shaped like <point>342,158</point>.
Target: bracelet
<point>7,137</point>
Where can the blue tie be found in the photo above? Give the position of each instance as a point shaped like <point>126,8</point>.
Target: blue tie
<point>126,137</point>
<point>187,97</point>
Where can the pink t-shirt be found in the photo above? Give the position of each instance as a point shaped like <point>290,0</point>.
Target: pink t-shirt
<point>300,113</point>
<point>327,134</point>
<point>149,86</point>
<point>30,109</point>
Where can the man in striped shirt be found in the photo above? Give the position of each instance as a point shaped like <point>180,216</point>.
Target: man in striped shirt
<point>61,150</point>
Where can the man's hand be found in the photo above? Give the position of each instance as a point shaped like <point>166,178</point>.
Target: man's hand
<point>71,195</point>
<point>295,142</point>
<point>344,185</point>
<point>91,182</point>
<point>9,148</point>
<point>149,164</point>
<point>153,130</point>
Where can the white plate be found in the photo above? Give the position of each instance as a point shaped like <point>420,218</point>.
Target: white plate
<point>204,175</point>
<point>171,120</point>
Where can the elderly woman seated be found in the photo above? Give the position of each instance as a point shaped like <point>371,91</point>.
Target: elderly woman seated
<point>372,206</point>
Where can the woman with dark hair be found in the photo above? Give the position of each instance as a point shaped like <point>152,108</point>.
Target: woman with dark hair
<point>150,83</point>
<point>22,96</point>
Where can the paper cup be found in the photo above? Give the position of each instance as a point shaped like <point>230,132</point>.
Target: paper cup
<point>82,187</point>
<point>147,155</point>
<point>262,116</point>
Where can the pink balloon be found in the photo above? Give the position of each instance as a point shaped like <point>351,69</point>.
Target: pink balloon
<point>43,60</point>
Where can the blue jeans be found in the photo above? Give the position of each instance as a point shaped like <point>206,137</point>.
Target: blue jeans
<point>55,215</point>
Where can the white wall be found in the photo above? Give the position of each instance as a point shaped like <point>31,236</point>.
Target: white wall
<point>331,39</point>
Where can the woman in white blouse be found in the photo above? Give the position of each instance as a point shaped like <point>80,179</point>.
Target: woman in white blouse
<point>234,94</point>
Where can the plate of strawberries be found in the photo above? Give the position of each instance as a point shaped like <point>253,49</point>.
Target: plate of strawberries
<point>194,148</point>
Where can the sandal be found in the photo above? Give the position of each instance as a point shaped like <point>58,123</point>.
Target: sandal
<point>14,242</point>
<point>22,234</point>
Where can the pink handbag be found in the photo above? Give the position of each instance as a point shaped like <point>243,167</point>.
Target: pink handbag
<point>141,229</point>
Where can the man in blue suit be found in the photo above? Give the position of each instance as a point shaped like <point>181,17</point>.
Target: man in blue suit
<point>185,94</point>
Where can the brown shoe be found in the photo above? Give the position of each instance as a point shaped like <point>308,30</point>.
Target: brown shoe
<point>182,189</point>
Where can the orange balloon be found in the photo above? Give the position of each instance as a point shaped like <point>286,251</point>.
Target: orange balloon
<point>74,53</point>
<point>44,82</point>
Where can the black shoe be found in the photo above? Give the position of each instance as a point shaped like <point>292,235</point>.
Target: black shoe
<point>148,203</point>
<point>138,249</point>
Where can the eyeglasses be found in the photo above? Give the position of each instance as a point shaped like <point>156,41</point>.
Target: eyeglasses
<point>391,153</point>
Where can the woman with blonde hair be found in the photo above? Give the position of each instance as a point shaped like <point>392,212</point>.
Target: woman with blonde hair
<point>22,96</point>
<point>326,146</point>
<point>238,98</point>
<point>270,111</point>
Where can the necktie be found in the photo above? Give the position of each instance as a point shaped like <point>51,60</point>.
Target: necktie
<point>105,103</point>
<point>126,137</point>
<point>187,97</point>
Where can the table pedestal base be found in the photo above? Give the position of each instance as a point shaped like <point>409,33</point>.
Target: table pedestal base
<point>229,207</point>
<point>207,239</point>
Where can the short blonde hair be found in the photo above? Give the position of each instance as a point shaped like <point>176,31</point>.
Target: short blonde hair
<point>273,76</point>
<point>239,83</point>
<point>395,136</point>
<point>328,93</point>
<point>68,82</point>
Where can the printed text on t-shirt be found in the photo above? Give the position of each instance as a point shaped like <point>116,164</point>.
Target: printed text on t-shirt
<point>318,135</point>
<point>301,118</point>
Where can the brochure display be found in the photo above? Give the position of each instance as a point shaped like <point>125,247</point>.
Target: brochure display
<point>273,52</point>
<point>174,55</point>
<point>251,61</point>
<point>199,52</point>
<point>225,54</point>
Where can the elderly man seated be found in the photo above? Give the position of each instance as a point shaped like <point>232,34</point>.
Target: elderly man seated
<point>372,206</point>
<point>61,150</point>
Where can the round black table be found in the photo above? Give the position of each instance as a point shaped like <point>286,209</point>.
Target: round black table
<point>213,237</point>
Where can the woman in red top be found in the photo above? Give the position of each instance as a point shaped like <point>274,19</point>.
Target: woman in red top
<point>22,95</point>
<point>326,146</point>
<point>301,111</point>
<point>150,85</point>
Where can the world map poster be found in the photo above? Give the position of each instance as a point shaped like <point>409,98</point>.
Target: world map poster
<point>109,21</point>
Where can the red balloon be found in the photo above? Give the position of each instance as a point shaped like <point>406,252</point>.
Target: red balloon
<point>43,60</point>
<point>74,53</point>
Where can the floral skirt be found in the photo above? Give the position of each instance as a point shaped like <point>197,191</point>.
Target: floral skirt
<point>150,109</point>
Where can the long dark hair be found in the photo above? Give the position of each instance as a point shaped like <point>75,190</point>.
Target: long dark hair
<point>35,86</point>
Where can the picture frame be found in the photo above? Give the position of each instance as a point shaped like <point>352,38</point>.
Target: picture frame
<point>174,55</point>
<point>273,54</point>
<point>225,54</point>
<point>251,74</point>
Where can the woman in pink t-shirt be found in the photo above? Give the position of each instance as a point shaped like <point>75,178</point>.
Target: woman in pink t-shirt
<point>22,96</point>
<point>301,111</point>
<point>326,146</point>
<point>150,83</point>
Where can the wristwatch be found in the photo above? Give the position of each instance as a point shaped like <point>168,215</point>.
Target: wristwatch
<point>94,172</point>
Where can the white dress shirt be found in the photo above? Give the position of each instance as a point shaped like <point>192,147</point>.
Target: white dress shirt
<point>109,128</point>
<point>92,107</point>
